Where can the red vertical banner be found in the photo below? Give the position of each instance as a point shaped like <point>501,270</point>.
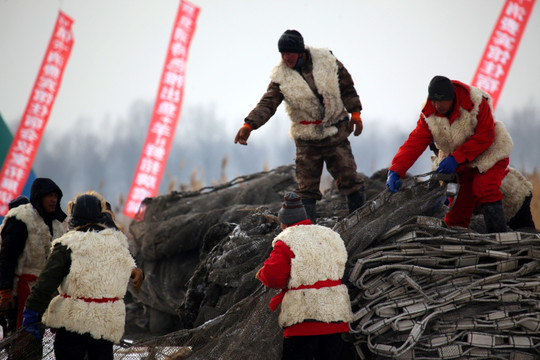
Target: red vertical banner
<point>166,112</point>
<point>18,161</point>
<point>502,46</point>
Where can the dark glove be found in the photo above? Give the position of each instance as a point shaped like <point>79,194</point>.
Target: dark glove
<point>31,323</point>
<point>243,134</point>
<point>356,123</point>
<point>448,165</point>
<point>393,182</point>
<point>6,299</point>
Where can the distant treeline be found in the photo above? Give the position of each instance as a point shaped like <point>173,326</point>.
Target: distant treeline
<point>102,156</point>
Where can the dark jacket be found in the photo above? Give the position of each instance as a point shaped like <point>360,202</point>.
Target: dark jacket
<point>58,265</point>
<point>14,231</point>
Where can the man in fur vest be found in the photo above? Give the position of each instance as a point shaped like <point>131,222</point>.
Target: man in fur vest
<point>91,267</point>
<point>307,263</point>
<point>458,119</point>
<point>319,94</point>
<point>27,232</point>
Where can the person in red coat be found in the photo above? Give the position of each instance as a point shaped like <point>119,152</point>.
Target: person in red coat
<point>458,119</point>
<point>307,263</point>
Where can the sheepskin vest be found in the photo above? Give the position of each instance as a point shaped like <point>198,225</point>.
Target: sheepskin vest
<point>91,296</point>
<point>319,255</point>
<point>38,242</point>
<point>515,188</point>
<point>311,120</point>
<point>448,137</point>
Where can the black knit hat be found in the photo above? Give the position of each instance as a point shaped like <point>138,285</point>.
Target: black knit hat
<point>292,210</point>
<point>440,88</point>
<point>86,210</point>
<point>19,200</point>
<point>291,42</point>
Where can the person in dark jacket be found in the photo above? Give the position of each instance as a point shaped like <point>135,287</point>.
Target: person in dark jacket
<point>319,94</point>
<point>27,231</point>
<point>307,263</point>
<point>90,266</point>
<point>8,317</point>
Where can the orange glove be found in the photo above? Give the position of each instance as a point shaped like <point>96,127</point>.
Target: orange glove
<point>138,276</point>
<point>6,299</point>
<point>243,134</point>
<point>356,121</point>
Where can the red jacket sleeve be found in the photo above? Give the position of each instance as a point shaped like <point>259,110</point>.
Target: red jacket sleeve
<point>483,136</point>
<point>277,268</point>
<point>412,148</point>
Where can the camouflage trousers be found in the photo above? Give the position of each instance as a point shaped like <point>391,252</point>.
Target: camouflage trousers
<point>339,162</point>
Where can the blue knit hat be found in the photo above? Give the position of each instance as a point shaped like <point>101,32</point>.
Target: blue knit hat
<point>292,210</point>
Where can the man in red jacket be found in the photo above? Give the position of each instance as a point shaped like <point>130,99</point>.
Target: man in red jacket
<point>458,119</point>
<point>307,263</point>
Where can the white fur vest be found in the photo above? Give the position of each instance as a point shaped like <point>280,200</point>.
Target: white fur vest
<point>448,137</point>
<point>38,242</point>
<point>310,120</point>
<point>319,255</point>
<point>515,188</point>
<point>100,270</point>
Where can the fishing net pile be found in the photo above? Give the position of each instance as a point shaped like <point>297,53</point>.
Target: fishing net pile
<point>428,292</point>
<point>419,290</point>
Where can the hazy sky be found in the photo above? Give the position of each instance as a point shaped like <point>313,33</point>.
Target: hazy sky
<point>392,48</point>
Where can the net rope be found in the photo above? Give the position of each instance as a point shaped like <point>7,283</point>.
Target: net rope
<point>429,294</point>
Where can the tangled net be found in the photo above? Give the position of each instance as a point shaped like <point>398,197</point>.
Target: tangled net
<point>429,292</point>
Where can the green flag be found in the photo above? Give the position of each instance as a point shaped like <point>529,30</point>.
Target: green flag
<point>5,142</point>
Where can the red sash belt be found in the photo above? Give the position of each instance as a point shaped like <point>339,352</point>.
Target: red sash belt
<point>23,292</point>
<point>100,300</point>
<point>316,122</point>
<point>276,300</point>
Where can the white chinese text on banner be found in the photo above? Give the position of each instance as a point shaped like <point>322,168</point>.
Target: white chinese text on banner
<point>166,112</point>
<point>18,161</point>
<point>502,46</point>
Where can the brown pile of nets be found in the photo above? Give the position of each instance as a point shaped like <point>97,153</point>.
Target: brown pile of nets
<point>419,290</point>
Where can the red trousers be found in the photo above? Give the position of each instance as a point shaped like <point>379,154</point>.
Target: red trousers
<point>475,188</point>
<point>23,292</point>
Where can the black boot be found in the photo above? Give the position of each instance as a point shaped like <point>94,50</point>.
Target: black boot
<point>311,209</point>
<point>356,200</point>
<point>523,218</point>
<point>494,217</point>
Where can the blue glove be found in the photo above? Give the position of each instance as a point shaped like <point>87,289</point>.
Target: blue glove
<point>31,323</point>
<point>393,182</point>
<point>448,165</point>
